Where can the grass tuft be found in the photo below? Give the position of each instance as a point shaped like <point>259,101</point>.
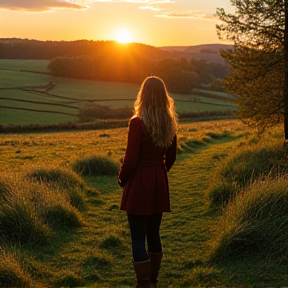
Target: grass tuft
<point>28,210</point>
<point>244,168</point>
<point>64,180</point>
<point>111,242</point>
<point>95,166</point>
<point>58,216</point>
<point>254,223</point>
<point>20,219</point>
<point>11,272</point>
<point>70,280</point>
<point>221,135</point>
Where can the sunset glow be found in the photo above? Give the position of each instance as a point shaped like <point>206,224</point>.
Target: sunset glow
<point>124,37</point>
<point>158,22</point>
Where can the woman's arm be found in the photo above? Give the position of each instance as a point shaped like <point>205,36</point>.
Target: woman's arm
<point>132,152</point>
<point>171,154</point>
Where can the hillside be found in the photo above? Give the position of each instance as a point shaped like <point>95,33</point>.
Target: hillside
<point>17,48</point>
<point>97,252</point>
<point>207,52</point>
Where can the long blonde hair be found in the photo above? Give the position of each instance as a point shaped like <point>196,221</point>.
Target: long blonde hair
<point>157,110</point>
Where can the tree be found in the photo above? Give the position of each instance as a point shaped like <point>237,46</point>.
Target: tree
<point>256,63</point>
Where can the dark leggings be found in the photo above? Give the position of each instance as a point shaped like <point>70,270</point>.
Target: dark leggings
<point>140,227</point>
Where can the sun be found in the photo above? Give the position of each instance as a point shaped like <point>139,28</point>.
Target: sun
<point>123,37</point>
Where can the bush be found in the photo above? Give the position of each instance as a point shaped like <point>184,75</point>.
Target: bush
<point>92,112</point>
<point>254,223</point>
<point>95,166</point>
<point>244,168</point>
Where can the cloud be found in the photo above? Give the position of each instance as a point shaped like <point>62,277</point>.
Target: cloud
<point>155,5</point>
<point>47,5</point>
<point>200,15</point>
<point>50,5</point>
<point>41,5</point>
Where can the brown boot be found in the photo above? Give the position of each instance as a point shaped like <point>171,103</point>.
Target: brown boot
<point>155,265</point>
<point>142,270</point>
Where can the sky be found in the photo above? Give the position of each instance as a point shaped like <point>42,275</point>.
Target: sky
<point>152,22</point>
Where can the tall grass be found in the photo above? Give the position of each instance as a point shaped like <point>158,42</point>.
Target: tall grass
<point>62,181</point>
<point>29,210</point>
<point>95,166</point>
<point>11,272</point>
<point>243,168</point>
<point>20,219</point>
<point>255,223</point>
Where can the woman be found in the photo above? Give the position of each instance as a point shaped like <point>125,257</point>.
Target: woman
<point>151,152</point>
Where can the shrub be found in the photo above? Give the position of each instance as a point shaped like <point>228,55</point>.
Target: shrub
<point>95,165</point>
<point>254,223</point>
<point>94,111</point>
<point>63,180</point>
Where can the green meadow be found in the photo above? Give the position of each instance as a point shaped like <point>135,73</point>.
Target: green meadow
<point>26,97</point>
<point>60,222</point>
<point>61,226</point>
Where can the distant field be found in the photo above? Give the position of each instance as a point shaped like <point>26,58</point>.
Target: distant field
<point>27,98</point>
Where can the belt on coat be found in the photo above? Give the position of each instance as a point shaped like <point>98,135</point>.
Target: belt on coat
<point>151,162</point>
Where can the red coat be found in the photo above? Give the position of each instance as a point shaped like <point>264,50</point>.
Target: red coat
<point>144,172</point>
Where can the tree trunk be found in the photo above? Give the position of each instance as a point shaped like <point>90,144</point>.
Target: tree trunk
<point>286,75</point>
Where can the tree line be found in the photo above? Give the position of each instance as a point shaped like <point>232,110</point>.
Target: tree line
<point>111,61</point>
<point>180,75</point>
<point>17,48</point>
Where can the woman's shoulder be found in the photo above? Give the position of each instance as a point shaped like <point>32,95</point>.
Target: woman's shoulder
<point>136,121</point>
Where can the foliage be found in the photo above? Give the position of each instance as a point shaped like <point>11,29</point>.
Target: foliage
<point>180,75</point>
<point>96,124</point>
<point>92,112</point>
<point>95,166</point>
<point>257,61</point>
<point>257,78</point>
<point>75,67</point>
<point>255,24</point>
<point>253,223</point>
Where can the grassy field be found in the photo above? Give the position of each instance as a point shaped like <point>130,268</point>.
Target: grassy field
<point>98,253</point>
<point>21,89</point>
